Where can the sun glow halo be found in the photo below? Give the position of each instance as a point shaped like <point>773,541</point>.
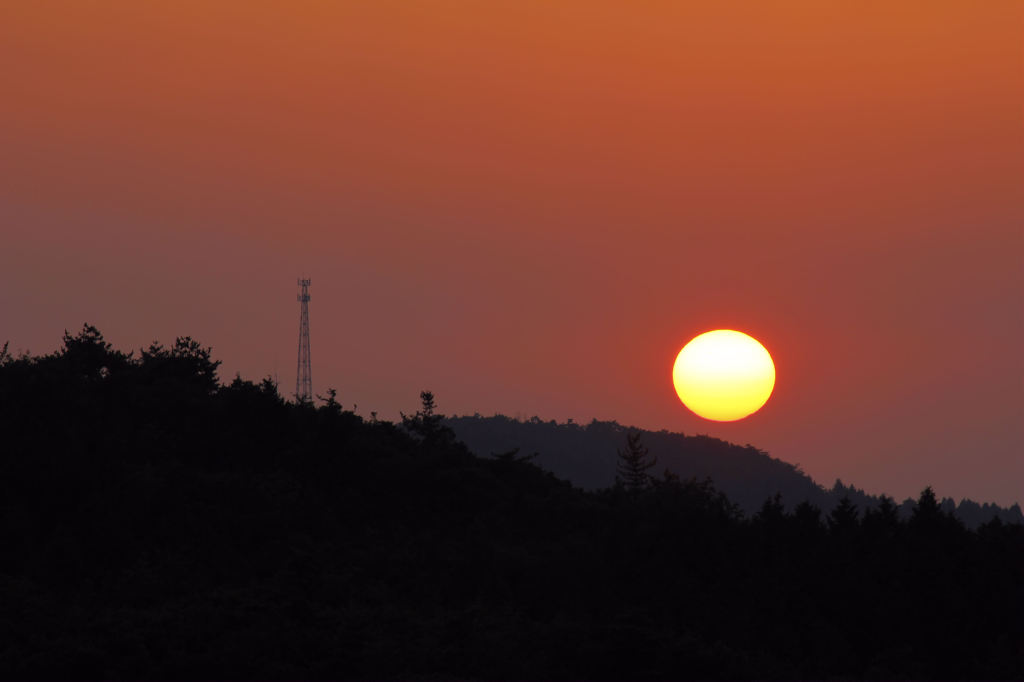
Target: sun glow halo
<point>724,375</point>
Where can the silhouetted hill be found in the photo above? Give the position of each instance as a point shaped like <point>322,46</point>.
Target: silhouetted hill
<point>586,456</point>
<point>156,523</point>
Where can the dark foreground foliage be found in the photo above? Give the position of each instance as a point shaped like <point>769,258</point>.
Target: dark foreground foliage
<point>155,524</point>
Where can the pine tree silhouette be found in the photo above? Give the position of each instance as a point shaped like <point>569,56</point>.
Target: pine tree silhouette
<point>633,464</point>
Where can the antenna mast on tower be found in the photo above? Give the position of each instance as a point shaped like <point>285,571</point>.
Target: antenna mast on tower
<point>304,374</point>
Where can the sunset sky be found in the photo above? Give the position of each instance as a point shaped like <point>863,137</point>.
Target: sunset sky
<point>529,207</point>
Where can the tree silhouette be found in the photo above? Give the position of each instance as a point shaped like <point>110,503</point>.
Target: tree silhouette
<point>186,364</point>
<point>633,464</point>
<point>88,356</point>
<point>426,423</point>
<point>883,520</point>
<point>844,518</point>
<point>807,517</point>
<point>772,511</point>
<point>927,508</point>
<point>331,401</point>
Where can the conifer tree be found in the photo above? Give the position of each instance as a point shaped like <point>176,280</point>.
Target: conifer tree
<point>633,464</point>
<point>844,516</point>
<point>427,424</point>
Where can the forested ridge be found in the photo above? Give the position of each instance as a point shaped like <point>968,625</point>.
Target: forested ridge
<point>157,523</point>
<point>585,454</point>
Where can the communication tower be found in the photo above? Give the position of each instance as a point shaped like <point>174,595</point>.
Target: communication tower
<point>304,373</point>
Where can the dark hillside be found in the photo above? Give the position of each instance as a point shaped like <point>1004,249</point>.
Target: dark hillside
<point>586,455</point>
<point>158,524</point>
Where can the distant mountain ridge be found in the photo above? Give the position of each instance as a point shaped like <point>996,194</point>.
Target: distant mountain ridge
<point>586,455</point>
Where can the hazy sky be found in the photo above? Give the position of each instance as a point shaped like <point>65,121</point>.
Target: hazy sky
<point>528,207</point>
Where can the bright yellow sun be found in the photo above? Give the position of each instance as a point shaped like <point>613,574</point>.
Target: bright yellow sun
<point>724,375</point>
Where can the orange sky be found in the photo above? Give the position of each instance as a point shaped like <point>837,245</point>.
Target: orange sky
<point>529,207</point>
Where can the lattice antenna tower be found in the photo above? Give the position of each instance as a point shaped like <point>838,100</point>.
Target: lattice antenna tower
<point>304,373</point>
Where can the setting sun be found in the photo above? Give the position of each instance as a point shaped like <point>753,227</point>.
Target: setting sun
<point>724,375</point>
